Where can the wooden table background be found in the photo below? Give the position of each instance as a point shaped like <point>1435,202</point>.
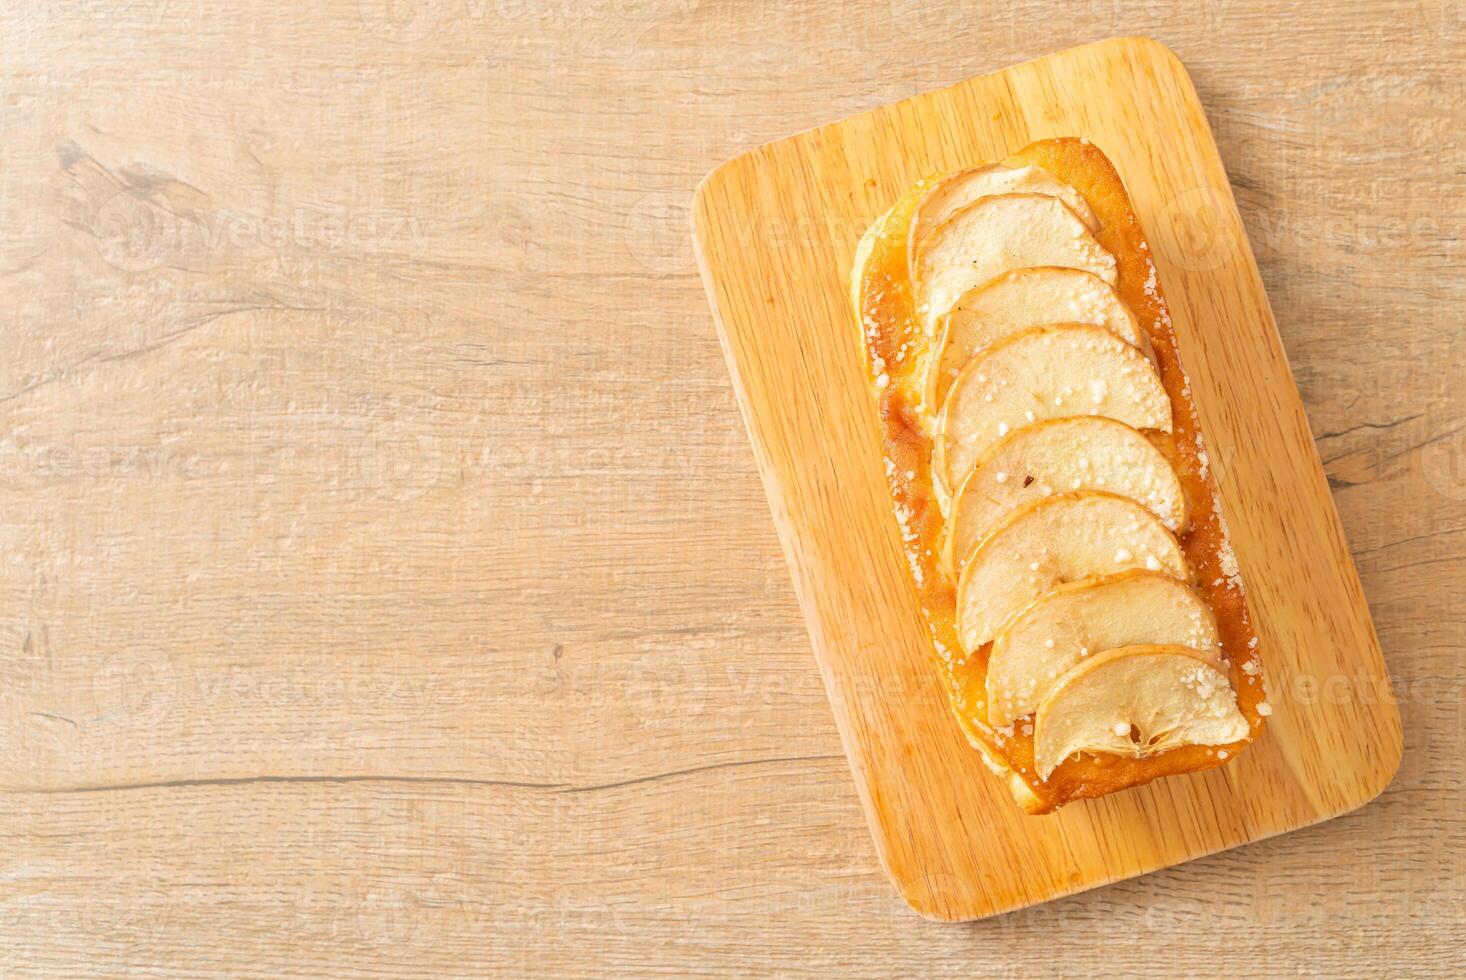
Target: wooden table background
<point>385,584</point>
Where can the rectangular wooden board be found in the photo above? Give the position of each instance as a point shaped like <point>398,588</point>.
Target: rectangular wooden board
<point>775,231</point>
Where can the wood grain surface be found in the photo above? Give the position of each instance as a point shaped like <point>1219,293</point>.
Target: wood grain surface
<point>949,835</point>
<point>386,584</point>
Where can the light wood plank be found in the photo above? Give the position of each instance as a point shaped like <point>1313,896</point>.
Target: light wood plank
<point>547,155</point>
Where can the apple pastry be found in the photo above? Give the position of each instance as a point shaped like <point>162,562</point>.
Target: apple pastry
<point>1050,481</point>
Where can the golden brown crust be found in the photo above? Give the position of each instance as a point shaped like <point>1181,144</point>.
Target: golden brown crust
<point>898,351</point>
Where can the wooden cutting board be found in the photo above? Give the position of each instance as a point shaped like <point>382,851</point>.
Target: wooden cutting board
<point>775,231</point>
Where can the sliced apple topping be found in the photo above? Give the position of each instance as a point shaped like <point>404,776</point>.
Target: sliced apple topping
<point>1075,620</point>
<point>1136,702</point>
<point>1083,452</point>
<point>1063,538</point>
<point>960,189</point>
<point>1018,300</point>
<point>1043,373</point>
<point>993,235</point>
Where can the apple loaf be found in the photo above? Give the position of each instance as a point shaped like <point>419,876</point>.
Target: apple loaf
<point>1050,481</point>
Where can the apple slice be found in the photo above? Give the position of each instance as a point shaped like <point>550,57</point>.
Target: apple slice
<point>996,234</point>
<point>1063,538</point>
<point>1080,452</point>
<point>1018,300</point>
<point>1063,626</point>
<point>959,189</point>
<point>1136,701</point>
<point>1043,373</point>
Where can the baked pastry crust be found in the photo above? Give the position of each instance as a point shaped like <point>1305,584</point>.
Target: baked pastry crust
<point>899,352</point>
